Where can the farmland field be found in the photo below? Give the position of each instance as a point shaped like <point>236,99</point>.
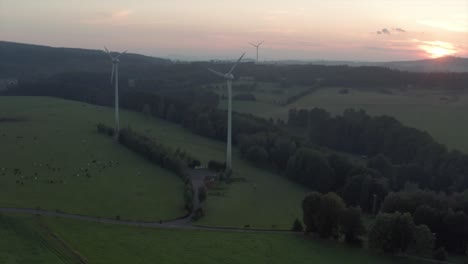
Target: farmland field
<point>53,158</point>
<point>441,113</point>
<point>133,188</point>
<point>99,243</point>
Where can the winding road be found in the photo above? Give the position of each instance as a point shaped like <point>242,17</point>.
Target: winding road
<point>197,178</point>
<point>183,223</point>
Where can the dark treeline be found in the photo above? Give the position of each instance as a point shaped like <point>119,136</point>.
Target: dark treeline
<point>445,215</point>
<point>405,154</point>
<point>355,77</point>
<point>177,161</point>
<point>199,115</point>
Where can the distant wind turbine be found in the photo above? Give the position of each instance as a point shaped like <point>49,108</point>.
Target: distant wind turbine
<point>228,77</point>
<point>115,78</point>
<point>257,46</point>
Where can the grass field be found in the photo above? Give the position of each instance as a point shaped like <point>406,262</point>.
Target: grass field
<point>53,158</point>
<point>98,243</point>
<point>264,92</point>
<point>440,113</point>
<point>21,243</point>
<point>120,190</point>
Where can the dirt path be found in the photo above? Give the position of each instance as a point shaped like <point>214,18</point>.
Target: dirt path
<point>197,177</point>
<point>176,224</point>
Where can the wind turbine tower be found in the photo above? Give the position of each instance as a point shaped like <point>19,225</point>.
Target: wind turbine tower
<point>115,79</point>
<point>257,46</point>
<point>228,77</point>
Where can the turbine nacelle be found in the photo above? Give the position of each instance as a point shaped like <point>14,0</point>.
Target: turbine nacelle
<point>229,76</point>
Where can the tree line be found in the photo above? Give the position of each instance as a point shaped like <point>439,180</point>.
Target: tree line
<point>404,154</point>
<point>177,161</point>
<point>418,229</point>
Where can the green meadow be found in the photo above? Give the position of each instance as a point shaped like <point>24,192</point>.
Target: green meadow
<point>441,113</point>
<point>61,134</point>
<point>30,239</point>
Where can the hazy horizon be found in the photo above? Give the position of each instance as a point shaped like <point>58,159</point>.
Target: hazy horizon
<point>363,30</point>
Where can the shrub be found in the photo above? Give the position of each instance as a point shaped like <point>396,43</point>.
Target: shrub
<point>201,194</point>
<point>257,155</point>
<point>217,166</point>
<point>297,226</point>
<point>188,197</point>
<point>392,233</point>
<point>423,240</point>
<point>440,254</point>
<point>321,213</point>
<point>351,224</point>
<point>199,213</point>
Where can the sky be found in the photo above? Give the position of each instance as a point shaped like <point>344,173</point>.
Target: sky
<point>357,30</point>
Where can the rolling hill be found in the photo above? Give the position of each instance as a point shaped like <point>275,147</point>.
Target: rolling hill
<point>26,60</point>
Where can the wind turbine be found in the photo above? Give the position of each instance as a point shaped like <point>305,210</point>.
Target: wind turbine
<point>228,77</point>
<point>257,46</point>
<point>115,78</point>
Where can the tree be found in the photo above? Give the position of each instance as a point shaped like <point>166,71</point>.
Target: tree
<point>360,190</point>
<point>392,233</point>
<point>312,169</point>
<point>217,166</point>
<point>341,167</point>
<point>201,194</point>
<point>257,155</point>
<point>440,254</point>
<point>423,240</point>
<point>310,208</point>
<point>297,226</point>
<point>383,165</point>
<point>351,224</point>
<point>426,215</point>
<point>327,220</point>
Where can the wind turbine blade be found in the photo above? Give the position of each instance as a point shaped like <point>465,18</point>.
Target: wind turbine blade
<point>121,54</point>
<point>112,74</point>
<point>260,43</point>
<point>108,53</point>
<point>234,66</point>
<point>253,44</point>
<point>216,72</point>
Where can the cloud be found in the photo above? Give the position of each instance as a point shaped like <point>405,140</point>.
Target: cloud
<point>386,31</point>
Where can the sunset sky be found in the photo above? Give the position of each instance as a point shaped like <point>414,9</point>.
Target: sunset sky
<point>362,30</point>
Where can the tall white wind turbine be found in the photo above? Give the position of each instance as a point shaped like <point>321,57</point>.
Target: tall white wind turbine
<point>228,77</point>
<point>115,79</point>
<point>257,46</point>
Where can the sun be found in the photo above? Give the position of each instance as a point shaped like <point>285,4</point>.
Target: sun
<point>437,52</point>
<point>438,49</point>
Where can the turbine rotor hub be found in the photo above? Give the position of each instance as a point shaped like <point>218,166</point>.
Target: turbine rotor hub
<point>229,76</point>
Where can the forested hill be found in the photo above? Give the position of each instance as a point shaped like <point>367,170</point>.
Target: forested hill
<point>444,64</point>
<point>26,60</point>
